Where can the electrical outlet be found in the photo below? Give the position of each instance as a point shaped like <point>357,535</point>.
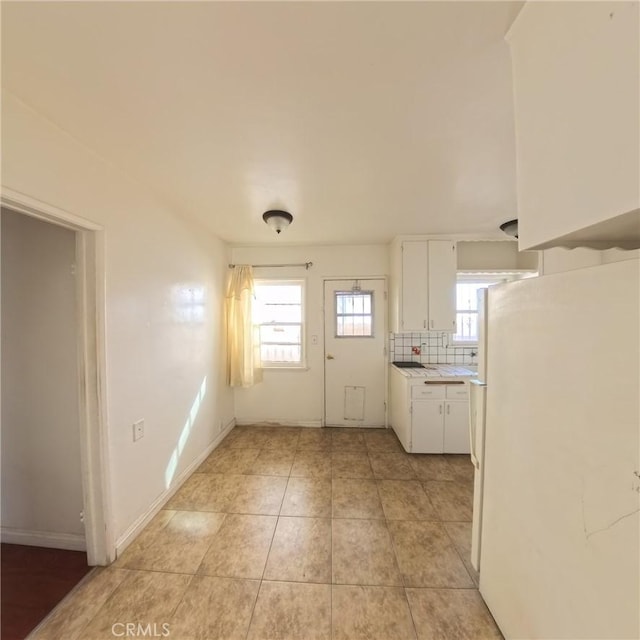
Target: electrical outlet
<point>220,425</point>
<point>138,430</point>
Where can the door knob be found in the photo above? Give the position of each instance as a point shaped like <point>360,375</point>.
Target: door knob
<point>330,357</point>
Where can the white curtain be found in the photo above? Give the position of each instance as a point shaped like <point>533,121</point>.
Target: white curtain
<point>243,347</point>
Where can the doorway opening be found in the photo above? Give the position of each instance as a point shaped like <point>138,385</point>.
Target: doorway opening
<point>92,530</point>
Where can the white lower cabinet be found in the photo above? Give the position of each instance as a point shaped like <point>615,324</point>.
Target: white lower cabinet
<point>439,426</point>
<point>426,426</point>
<point>430,417</point>
<point>456,427</point>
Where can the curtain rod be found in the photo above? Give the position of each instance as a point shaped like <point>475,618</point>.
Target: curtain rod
<point>306,265</point>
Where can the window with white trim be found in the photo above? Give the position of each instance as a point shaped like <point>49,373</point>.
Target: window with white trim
<point>278,312</point>
<point>467,286</point>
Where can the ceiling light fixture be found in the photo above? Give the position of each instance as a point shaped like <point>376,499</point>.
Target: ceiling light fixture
<point>510,228</point>
<point>277,220</point>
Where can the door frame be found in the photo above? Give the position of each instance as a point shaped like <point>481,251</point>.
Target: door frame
<point>90,313</point>
<point>385,322</point>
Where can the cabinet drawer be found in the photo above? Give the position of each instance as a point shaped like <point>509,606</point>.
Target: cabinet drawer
<point>428,392</point>
<point>457,391</point>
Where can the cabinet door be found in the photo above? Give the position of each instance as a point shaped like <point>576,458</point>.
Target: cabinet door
<point>427,425</point>
<point>456,427</point>
<point>442,265</point>
<point>413,316</point>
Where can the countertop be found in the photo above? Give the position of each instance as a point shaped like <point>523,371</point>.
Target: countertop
<point>437,371</point>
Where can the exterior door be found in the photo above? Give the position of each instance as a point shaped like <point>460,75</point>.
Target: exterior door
<point>355,362</point>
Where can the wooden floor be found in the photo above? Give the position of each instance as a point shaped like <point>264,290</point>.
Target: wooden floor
<point>34,580</point>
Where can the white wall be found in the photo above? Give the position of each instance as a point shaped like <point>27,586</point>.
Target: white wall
<point>618,255</point>
<point>296,397</point>
<point>560,259</point>
<point>164,354</point>
<point>482,254</point>
<point>41,481</point>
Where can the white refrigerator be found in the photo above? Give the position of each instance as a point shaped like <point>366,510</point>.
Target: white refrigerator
<point>559,531</point>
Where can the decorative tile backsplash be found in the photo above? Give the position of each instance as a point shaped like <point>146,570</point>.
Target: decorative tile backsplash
<point>433,346</point>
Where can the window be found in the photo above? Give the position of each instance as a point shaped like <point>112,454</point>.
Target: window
<point>354,314</point>
<point>278,313</point>
<point>467,305</point>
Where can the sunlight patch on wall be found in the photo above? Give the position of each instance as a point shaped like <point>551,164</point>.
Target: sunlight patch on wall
<point>170,471</point>
<point>188,303</point>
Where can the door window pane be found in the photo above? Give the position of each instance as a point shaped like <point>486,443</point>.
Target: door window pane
<point>354,316</point>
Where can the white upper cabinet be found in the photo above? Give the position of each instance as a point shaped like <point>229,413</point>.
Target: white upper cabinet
<point>442,285</point>
<point>414,286</point>
<point>425,286</point>
<point>576,73</point>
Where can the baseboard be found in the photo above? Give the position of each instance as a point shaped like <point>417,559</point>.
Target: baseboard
<point>136,528</point>
<point>49,539</point>
<point>243,422</point>
<point>314,424</point>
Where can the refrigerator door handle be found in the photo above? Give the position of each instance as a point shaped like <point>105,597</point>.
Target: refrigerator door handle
<point>474,388</point>
<point>472,444</point>
<point>477,426</point>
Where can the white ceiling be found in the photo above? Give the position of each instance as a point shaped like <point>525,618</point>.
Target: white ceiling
<point>365,120</point>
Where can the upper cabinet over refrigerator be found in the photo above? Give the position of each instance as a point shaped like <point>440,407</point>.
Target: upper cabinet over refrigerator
<point>424,286</point>
<point>577,127</point>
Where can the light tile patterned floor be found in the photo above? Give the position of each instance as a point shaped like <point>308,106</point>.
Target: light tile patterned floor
<point>297,534</point>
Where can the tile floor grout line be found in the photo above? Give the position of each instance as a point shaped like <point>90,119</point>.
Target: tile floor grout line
<point>455,547</point>
<point>275,529</point>
<point>266,560</point>
<point>413,622</point>
<point>253,610</point>
<point>184,593</point>
<point>331,568</point>
<point>395,552</point>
